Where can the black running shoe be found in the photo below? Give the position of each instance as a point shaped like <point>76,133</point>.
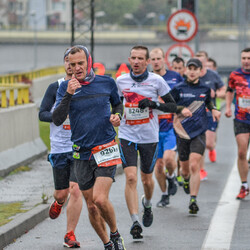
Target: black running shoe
<point>186,187</point>
<point>172,185</point>
<point>193,207</point>
<point>147,218</point>
<point>118,241</point>
<point>109,246</point>
<point>164,201</point>
<point>136,230</point>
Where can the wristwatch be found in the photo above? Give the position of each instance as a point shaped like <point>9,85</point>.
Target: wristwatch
<point>120,116</point>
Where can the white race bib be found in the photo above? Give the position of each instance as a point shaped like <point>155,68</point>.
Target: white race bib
<point>107,154</point>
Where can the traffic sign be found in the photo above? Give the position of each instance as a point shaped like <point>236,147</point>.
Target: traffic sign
<point>182,26</point>
<point>179,49</point>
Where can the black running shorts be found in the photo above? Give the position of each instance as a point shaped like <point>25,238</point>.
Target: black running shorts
<point>186,147</point>
<point>148,155</point>
<point>87,171</point>
<point>241,127</point>
<point>63,169</point>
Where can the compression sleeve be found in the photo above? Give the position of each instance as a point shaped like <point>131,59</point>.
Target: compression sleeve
<point>210,106</point>
<point>169,105</point>
<point>47,103</point>
<point>117,109</point>
<point>61,111</point>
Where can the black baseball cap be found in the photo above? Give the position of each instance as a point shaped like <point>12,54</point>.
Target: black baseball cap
<point>195,62</point>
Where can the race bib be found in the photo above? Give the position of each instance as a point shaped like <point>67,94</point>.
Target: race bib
<point>107,154</point>
<point>66,124</point>
<point>243,103</point>
<point>134,115</point>
<point>167,116</point>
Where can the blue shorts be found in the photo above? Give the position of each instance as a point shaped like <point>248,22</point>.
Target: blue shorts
<point>211,125</point>
<point>63,169</point>
<point>167,141</point>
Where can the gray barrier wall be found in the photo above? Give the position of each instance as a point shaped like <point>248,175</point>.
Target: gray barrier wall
<point>19,130</point>
<point>39,86</point>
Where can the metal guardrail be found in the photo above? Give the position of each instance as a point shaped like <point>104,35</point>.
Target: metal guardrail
<point>8,93</point>
<point>14,88</point>
<point>27,77</point>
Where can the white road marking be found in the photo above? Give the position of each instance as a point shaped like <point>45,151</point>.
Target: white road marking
<point>221,228</point>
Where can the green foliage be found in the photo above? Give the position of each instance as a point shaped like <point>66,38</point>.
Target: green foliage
<point>215,11</point>
<point>210,12</point>
<point>44,128</point>
<point>115,10</point>
<point>8,210</point>
<point>20,169</point>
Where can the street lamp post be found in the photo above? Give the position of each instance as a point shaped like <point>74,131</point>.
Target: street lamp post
<point>33,14</point>
<point>138,22</point>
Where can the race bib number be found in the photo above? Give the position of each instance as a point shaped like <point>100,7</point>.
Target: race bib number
<point>167,116</point>
<point>134,115</point>
<point>107,154</point>
<point>243,103</point>
<point>66,124</point>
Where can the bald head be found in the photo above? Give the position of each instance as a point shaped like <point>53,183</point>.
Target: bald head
<point>157,61</point>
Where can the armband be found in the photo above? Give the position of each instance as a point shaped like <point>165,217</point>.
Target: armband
<point>120,117</point>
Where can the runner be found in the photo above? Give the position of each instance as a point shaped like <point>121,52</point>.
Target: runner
<point>86,98</point>
<point>211,64</point>
<point>139,131</point>
<point>178,65</point>
<point>190,123</point>
<point>239,82</point>
<point>61,159</point>
<point>218,89</point>
<point>167,141</point>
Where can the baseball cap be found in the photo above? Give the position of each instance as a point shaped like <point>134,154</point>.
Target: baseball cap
<point>195,62</point>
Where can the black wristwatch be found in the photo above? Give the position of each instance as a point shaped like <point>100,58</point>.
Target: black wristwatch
<point>120,116</point>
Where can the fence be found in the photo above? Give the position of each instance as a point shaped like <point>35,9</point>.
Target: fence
<point>14,88</point>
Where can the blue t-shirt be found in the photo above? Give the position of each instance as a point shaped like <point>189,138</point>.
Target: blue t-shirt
<point>172,78</point>
<point>186,94</point>
<point>212,80</point>
<point>90,112</point>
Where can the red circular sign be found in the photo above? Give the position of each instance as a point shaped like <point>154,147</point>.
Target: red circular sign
<point>182,26</point>
<point>179,49</point>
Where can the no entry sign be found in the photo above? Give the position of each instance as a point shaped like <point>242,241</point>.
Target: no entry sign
<point>182,26</point>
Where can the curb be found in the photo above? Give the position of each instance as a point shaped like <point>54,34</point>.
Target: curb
<point>26,221</point>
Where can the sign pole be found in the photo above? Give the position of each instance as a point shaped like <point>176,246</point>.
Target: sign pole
<point>197,37</point>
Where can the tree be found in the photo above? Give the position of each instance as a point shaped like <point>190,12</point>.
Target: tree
<point>115,10</point>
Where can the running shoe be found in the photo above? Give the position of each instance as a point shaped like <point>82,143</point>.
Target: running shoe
<point>212,155</point>
<point>147,218</point>
<point>186,187</point>
<point>110,246</point>
<point>70,240</point>
<point>136,230</point>
<point>172,185</point>
<point>118,241</point>
<point>55,210</point>
<point>203,174</point>
<point>180,180</point>
<point>243,193</point>
<point>193,207</point>
<point>164,201</point>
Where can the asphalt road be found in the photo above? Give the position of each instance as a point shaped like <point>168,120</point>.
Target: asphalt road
<point>222,222</point>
